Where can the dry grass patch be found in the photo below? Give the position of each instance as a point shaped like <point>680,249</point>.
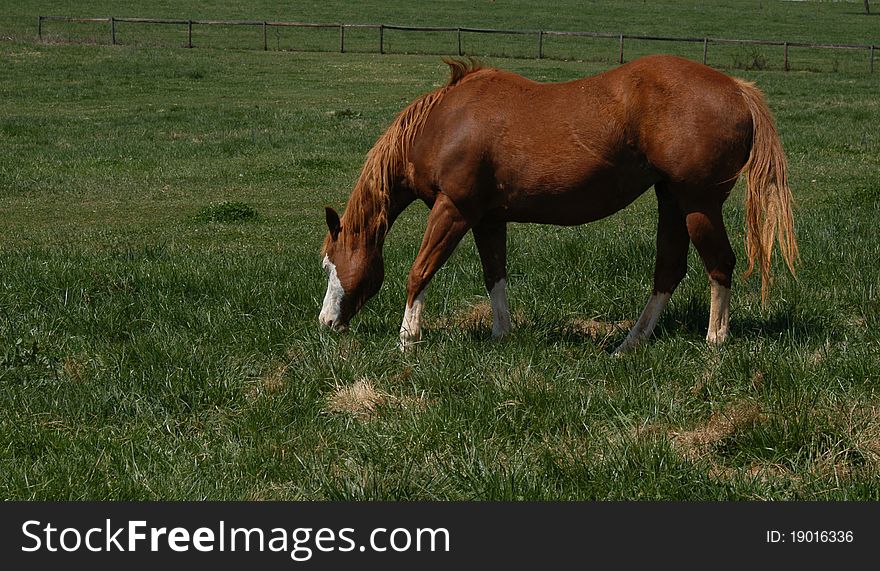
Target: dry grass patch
<point>475,316</point>
<point>699,442</point>
<point>75,369</point>
<point>733,418</point>
<point>755,472</point>
<point>861,425</point>
<point>598,331</point>
<point>478,315</point>
<point>363,400</point>
<point>359,399</point>
<point>272,381</point>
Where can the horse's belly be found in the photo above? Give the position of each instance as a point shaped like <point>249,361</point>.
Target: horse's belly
<point>567,209</point>
<point>571,204</point>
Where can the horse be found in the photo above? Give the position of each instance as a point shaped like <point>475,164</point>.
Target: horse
<point>491,148</point>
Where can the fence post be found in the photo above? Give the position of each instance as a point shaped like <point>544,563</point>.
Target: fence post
<point>459,41</point>
<point>113,31</point>
<point>620,57</point>
<point>342,38</point>
<point>381,38</point>
<point>786,56</point>
<point>40,29</point>
<point>265,38</point>
<point>705,51</point>
<point>872,58</point>
<point>189,34</point>
<point>540,44</point>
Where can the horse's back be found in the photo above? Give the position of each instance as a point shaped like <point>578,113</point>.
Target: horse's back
<point>502,142</point>
<point>580,150</point>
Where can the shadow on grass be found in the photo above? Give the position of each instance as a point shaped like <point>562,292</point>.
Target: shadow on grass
<point>798,327</point>
<point>605,336</point>
<point>691,320</point>
<point>693,317</point>
<point>687,320</point>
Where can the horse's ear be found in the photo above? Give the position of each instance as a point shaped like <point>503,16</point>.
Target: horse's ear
<point>333,223</point>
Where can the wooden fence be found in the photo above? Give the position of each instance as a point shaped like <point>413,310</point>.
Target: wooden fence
<point>539,35</point>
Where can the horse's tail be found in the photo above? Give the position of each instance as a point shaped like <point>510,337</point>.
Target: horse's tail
<point>768,198</point>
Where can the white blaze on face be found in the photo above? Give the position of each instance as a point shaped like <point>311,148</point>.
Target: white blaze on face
<point>331,310</point>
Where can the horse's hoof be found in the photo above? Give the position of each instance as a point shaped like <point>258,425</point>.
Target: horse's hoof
<point>406,344</point>
<point>624,348</point>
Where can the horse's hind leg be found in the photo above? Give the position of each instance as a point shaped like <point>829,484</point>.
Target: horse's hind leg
<point>706,229</point>
<point>491,240</point>
<point>669,269</point>
<point>446,227</point>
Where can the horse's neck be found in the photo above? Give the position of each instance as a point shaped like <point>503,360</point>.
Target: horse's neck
<point>399,200</point>
<point>366,213</point>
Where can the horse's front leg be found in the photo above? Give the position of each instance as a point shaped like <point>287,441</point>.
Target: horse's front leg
<point>446,227</point>
<point>491,240</point>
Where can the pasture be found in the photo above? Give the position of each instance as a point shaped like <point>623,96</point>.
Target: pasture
<point>161,213</point>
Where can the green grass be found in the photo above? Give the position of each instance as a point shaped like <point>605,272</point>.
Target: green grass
<point>149,350</point>
<point>842,22</point>
<point>810,22</point>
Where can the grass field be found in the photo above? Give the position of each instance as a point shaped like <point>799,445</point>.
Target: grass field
<point>809,22</point>
<point>840,22</point>
<point>150,350</point>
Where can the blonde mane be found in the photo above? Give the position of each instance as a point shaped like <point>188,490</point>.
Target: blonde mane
<point>367,209</point>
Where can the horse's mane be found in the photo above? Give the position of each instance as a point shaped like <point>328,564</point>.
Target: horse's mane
<point>367,208</point>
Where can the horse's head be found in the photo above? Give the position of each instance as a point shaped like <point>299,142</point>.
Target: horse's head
<point>355,271</point>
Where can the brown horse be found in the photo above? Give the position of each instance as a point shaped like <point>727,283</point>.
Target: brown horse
<point>491,147</point>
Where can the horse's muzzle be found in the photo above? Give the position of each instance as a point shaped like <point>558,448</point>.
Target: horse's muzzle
<point>333,324</point>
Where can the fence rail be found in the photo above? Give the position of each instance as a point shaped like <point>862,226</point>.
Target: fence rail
<point>264,25</point>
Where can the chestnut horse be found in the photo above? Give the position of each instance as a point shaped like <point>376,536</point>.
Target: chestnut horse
<point>491,147</point>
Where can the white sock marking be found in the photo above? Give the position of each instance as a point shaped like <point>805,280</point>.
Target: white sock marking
<point>646,323</point>
<point>500,310</point>
<point>411,328</point>
<point>332,306</point>
<point>719,313</point>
